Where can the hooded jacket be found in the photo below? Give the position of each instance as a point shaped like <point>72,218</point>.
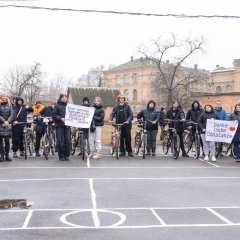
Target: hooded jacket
<point>20,111</point>
<point>59,112</point>
<point>127,111</point>
<point>6,114</point>
<point>194,113</point>
<point>202,121</point>
<point>99,115</point>
<point>177,114</point>
<point>150,114</point>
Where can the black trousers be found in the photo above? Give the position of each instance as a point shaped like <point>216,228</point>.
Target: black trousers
<point>151,139</point>
<point>180,134</point>
<point>38,140</point>
<point>7,145</point>
<point>63,141</point>
<point>17,138</point>
<point>126,139</point>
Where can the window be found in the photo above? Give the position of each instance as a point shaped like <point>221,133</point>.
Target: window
<point>135,94</point>
<point>126,94</point>
<point>126,79</point>
<point>135,78</point>
<point>117,80</point>
<point>228,88</point>
<point>218,89</point>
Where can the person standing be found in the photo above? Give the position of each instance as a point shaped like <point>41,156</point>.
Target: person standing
<point>20,111</point>
<point>122,112</point>
<point>208,146</point>
<point>95,135</point>
<point>63,132</point>
<point>176,113</point>
<point>6,118</point>
<point>151,116</point>
<point>37,108</point>
<point>221,113</point>
<point>235,116</point>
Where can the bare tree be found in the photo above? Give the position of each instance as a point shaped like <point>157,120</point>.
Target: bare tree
<point>23,81</point>
<point>173,79</point>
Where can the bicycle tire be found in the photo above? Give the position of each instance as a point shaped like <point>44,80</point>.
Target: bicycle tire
<point>46,146</point>
<point>137,143</point>
<point>117,145</point>
<point>217,149</point>
<point>25,146</point>
<point>232,151</point>
<point>30,143</point>
<point>112,144</point>
<point>197,145</point>
<point>165,143</point>
<point>73,144</point>
<point>188,141</point>
<point>144,145</point>
<point>82,146</point>
<point>176,146</point>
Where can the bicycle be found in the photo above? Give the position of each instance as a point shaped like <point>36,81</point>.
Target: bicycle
<point>28,138</point>
<point>81,142</point>
<point>171,139</point>
<point>115,139</point>
<point>48,138</point>
<point>224,148</point>
<point>192,139</point>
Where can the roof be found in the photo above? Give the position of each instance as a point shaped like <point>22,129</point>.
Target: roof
<point>107,95</point>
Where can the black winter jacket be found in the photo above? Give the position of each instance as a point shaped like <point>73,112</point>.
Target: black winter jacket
<point>6,114</point>
<point>151,115</point>
<point>45,112</point>
<point>202,120</point>
<point>193,114</point>
<point>179,115</point>
<point>99,115</point>
<point>128,114</point>
<point>59,112</point>
<point>236,116</point>
<point>22,115</point>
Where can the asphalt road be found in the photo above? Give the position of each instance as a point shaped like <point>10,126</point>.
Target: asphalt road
<point>131,198</point>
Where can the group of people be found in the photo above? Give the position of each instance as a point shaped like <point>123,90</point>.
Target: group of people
<point>13,116</point>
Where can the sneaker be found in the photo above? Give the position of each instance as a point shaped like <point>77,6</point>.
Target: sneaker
<point>96,156</point>
<point>214,159</point>
<point>206,158</point>
<point>8,159</point>
<point>15,155</point>
<point>62,159</point>
<point>185,154</point>
<point>22,153</point>
<point>66,158</point>
<point>130,154</point>
<point>122,154</point>
<point>37,154</point>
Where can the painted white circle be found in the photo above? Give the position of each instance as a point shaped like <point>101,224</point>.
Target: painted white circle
<point>121,216</point>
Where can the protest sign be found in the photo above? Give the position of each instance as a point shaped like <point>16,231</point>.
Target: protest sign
<point>220,131</point>
<point>78,116</point>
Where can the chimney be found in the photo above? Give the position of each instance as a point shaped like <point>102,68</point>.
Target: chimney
<point>195,67</point>
<point>131,58</point>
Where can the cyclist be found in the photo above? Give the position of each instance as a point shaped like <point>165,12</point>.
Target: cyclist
<point>151,115</point>
<point>6,118</point>
<point>235,115</point>
<point>37,108</point>
<point>162,116</point>
<point>176,113</point>
<point>40,126</point>
<point>122,112</point>
<point>20,115</point>
<point>95,135</point>
<point>63,132</point>
<point>208,146</point>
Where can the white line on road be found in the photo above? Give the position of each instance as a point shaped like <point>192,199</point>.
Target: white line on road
<point>200,159</point>
<point>96,219</point>
<point>26,222</point>
<point>157,216</point>
<point>219,216</point>
<point>88,162</point>
<point>121,178</point>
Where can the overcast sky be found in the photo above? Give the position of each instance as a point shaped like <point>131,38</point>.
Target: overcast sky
<point>69,43</point>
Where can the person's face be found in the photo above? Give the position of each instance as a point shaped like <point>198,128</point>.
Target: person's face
<point>64,98</point>
<point>195,105</point>
<point>238,108</point>
<point>4,99</point>
<point>38,105</point>
<point>208,109</point>
<point>121,100</point>
<point>151,105</point>
<point>175,105</point>
<point>85,102</point>
<point>219,105</point>
<point>20,102</point>
<point>52,106</point>
<point>97,102</point>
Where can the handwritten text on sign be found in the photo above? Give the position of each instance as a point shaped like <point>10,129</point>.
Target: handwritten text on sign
<point>78,116</point>
<point>220,131</point>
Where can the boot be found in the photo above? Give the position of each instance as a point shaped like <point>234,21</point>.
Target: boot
<point>15,154</point>
<point>184,154</point>
<point>7,158</point>
<point>22,153</point>
<point>148,151</point>
<point>2,158</point>
<point>154,152</point>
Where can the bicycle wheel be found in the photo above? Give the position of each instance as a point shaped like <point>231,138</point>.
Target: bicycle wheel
<point>51,142</point>
<point>188,141</point>
<point>25,146</point>
<point>137,143</point>
<point>144,143</point>
<point>117,145</point>
<point>232,151</point>
<point>165,142</point>
<point>82,146</point>
<point>197,145</point>
<point>175,146</point>
<point>112,144</point>
<point>217,149</point>
<point>73,143</point>
<point>46,145</point>
<point>30,144</point>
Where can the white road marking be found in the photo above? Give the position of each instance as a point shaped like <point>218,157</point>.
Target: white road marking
<point>200,159</point>
<point>219,216</point>
<point>96,219</point>
<point>157,216</point>
<point>108,178</point>
<point>26,222</point>
<point>88,162</point>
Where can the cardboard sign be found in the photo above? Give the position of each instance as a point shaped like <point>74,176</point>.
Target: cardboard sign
<point>78,116</point>
<point>220,131</point>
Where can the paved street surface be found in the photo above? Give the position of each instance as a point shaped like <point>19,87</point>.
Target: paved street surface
<point>131,198</point>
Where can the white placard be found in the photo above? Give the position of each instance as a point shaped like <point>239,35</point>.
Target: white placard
<point>78,116</point>
<point>220,131</point>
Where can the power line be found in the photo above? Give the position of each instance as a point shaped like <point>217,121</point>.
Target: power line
<point>121,12</point>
